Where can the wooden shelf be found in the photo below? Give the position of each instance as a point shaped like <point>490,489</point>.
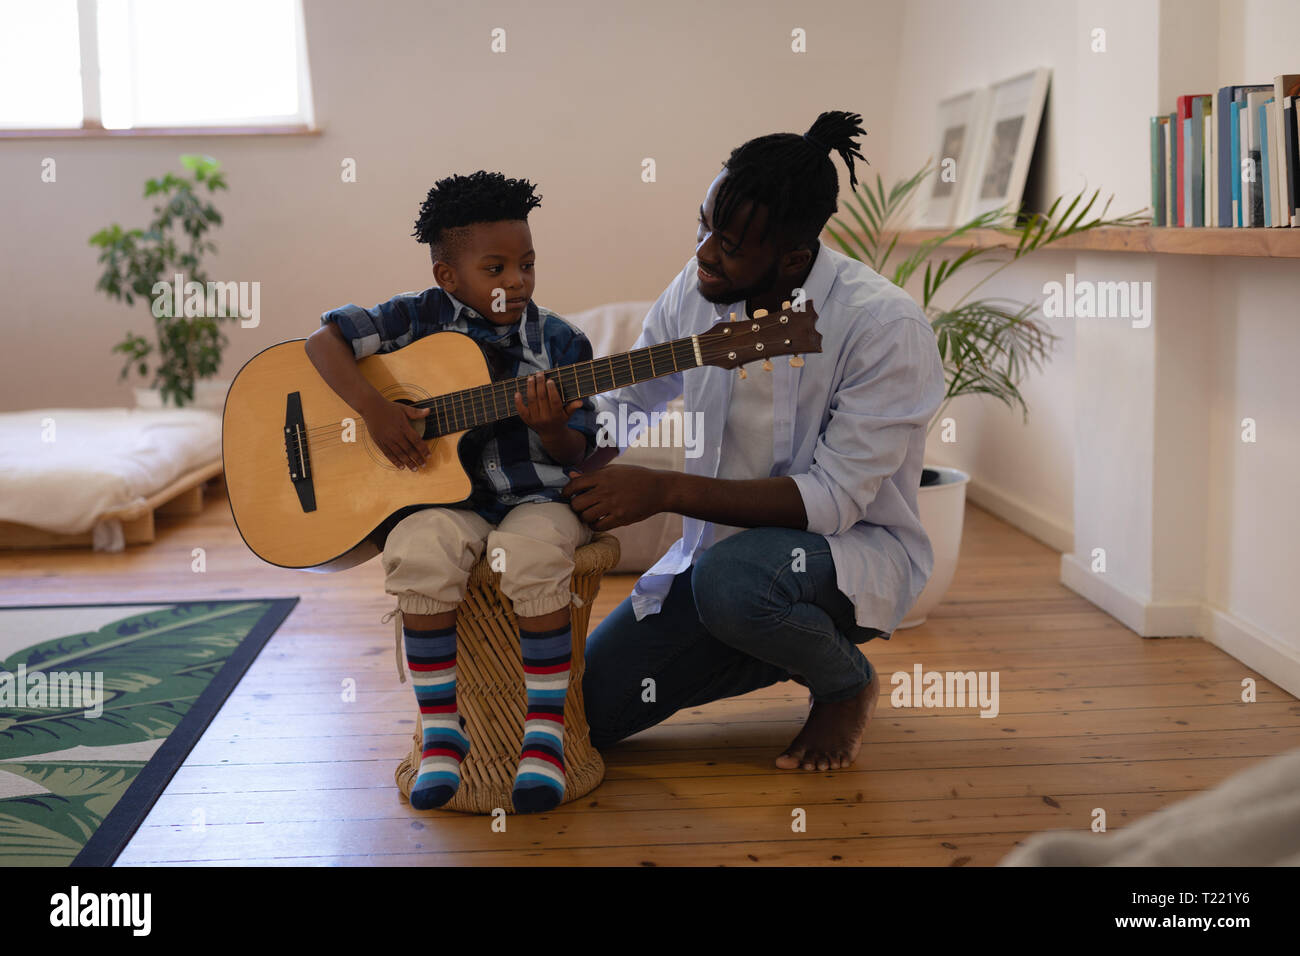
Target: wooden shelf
<point>1265,243</point>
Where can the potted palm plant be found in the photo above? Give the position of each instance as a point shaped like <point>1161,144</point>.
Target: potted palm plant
<point>187,348</point>
<point>986,343</point>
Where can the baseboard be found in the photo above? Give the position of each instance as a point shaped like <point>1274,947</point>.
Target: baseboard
<point>1035,523</point>
<point>1256,649</point>
<point>1135,611</point>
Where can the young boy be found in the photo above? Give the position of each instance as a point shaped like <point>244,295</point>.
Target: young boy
<point>483,261</point>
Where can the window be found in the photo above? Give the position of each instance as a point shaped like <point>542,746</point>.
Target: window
<point>153,64</point>
<point>40,64</point>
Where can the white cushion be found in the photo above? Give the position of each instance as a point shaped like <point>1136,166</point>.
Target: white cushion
<point>100,460</point>
<point>614,328</point>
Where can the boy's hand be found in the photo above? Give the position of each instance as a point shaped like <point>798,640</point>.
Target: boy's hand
<point>390,427</point>
<point>541,407</point>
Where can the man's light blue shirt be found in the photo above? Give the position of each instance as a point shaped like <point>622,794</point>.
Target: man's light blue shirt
<point>849,427</point>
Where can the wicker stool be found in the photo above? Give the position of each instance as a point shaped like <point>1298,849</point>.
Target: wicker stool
<point>491,694</point>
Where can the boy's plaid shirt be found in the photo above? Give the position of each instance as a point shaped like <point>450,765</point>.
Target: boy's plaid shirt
<point>507,461</point>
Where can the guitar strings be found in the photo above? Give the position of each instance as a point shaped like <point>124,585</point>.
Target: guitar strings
<point>487,399</point>
<point>637,361</point>
<point>496,394</point>
<point>328,435</point>
<point>503,391</point>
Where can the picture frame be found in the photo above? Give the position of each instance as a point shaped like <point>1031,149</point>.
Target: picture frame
<point>960,122</point>
<point>1010,130</point>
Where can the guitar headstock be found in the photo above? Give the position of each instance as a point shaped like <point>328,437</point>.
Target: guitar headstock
<point>764,335</point>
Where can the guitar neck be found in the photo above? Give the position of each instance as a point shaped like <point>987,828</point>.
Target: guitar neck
<point>483,404</point>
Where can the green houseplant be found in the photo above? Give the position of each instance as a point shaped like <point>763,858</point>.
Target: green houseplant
<point>987,344</point>
<point>136,261</point>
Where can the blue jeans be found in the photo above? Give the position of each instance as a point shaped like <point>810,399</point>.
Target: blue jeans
<point>746,615</point>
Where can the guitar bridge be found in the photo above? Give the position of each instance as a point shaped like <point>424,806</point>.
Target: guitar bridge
<point>297,452</point>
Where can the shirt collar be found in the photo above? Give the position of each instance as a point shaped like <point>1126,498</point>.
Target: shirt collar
<point>817,287</point>
<point>530,325</point>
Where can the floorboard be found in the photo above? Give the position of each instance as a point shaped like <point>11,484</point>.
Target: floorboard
<point>1088,715</point>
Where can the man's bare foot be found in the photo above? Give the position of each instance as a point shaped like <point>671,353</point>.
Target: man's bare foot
<point>832,735</point>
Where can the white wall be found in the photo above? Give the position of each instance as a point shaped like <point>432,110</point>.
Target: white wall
<point>409,89</point>
<point>1253,547</point>
<point>1133,441</point>
<point>949,47</point>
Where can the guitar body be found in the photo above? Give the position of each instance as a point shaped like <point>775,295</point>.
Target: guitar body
<point>318,511</point>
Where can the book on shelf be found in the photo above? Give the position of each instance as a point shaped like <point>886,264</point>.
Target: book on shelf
<point>1196,162</point>
<point>1174,160</point>
<point>1285,86</point>
<point>1228,145</point>
<point>1292,148</point>
<point>1228,159</point>
<point>1184,113</point>
<point>1265,167</point>
<point>1277,186</point>
<point>1253,146</point>
<point>1158,124</point>
<point>1208,208</point>
<point>1234,157</point>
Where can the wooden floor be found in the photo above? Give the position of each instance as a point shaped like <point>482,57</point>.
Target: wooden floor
<point>1090,716</point>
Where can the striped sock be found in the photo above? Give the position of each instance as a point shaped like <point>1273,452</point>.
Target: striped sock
<point>431,659</point>
<point>539,781</point>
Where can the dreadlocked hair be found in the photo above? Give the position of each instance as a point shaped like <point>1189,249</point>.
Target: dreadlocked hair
<point>459,201</point>
<point>792,176</point>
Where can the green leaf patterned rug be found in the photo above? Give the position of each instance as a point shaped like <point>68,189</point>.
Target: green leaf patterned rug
<point>99,706</point>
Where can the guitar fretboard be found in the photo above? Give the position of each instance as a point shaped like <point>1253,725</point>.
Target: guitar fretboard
<point>471,407</point>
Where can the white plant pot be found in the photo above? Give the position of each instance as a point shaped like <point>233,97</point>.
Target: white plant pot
<point>943,508</point>
<point>148,398</point>
<point>208,393</point>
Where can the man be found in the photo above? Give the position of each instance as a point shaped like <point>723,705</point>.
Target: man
<point>801,537</point>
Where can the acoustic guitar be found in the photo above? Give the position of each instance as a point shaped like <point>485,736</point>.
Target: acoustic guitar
<point>310,490</point>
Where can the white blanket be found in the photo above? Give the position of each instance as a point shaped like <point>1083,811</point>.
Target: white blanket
<point>63,469</point>
<point>1251,819</point>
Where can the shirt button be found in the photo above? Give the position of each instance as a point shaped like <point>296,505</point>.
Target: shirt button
<point>492,466</point>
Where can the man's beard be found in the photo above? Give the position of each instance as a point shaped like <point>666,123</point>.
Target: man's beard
<point>763,286</point>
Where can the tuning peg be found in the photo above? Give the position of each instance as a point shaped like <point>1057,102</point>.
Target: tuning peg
<point>796,361</point>
<point>743,373</point>
<point>733,316</point>
<point>767,365</point>
<point>785,306</point>
<point>759,313</point>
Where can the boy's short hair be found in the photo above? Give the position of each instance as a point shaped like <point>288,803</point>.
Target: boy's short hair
<point>459,201</point>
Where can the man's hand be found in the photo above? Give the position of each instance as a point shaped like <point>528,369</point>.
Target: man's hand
<point>617,495</point>
<point>541,407</point>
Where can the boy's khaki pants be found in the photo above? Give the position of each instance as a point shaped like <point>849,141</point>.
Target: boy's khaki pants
<point>428,556</point>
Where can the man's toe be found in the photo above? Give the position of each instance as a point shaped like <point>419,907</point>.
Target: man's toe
<point>791,758</point>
